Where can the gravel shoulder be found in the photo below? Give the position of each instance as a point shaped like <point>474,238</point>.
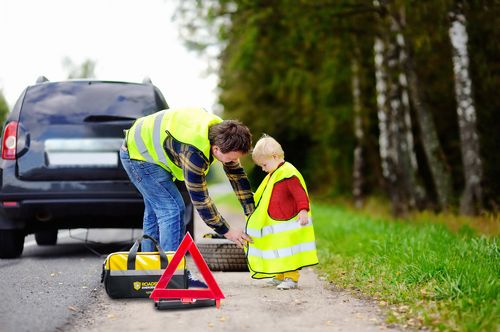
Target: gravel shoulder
<point>250,305</point>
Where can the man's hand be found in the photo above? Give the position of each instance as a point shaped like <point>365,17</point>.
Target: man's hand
<point>303,217</point>
<point>238,236</point>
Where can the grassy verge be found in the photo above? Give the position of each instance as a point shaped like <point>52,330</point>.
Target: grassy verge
<point>423,273</point>
<point>229,201</point>
<point>424,270</point>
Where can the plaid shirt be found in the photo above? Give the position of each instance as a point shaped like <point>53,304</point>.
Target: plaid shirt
<point>194,164</point>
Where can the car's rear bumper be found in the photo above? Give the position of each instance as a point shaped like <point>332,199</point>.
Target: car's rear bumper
<point>34,214</point>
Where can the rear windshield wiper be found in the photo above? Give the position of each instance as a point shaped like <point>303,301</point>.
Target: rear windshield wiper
<point>107,118</point>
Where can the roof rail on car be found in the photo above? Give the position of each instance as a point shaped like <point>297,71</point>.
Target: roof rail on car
<point>42,79</point>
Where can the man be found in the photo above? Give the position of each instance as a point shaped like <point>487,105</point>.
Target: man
<point>182,144</point>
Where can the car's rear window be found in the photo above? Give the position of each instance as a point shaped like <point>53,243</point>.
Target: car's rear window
<point>73,102</point>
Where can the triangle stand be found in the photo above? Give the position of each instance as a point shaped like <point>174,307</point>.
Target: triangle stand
<point>166,298</point>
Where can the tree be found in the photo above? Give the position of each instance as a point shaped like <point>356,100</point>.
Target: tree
<point>84,70</point>
<point>471,199</point>
<point>359,162</point>
<point>4,108</point>
<point>396,130</point>
<point>436,160</point>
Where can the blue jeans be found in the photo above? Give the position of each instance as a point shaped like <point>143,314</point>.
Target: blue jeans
<point>164,206</point>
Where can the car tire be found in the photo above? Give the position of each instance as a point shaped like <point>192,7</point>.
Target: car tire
<point>11,243</point>
<point>46,238</point>
<point>222,255</point>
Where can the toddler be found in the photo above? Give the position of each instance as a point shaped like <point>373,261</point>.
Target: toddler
<point>281,225</point>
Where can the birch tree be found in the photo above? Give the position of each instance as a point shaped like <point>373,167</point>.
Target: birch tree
<point>407,160</point>
<point>440,172</point>
<point>386,158</point>
<point>396,141</point>
<point>358,163</point>
<point>436,159</point>
<point>471,199</point>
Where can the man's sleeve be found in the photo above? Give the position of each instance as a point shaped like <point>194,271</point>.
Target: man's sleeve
<point>241,186</point>
<point>194,166</point>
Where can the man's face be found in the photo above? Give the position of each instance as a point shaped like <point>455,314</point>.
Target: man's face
<point>226,157</point>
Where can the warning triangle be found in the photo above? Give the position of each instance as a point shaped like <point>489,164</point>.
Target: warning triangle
<point>187,295</point>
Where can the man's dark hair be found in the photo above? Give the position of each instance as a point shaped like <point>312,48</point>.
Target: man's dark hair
<point>230,135</point>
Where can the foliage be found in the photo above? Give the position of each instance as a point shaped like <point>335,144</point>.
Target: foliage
<point>285,71</point>
<point>84,70</point>
<point>4,108</point>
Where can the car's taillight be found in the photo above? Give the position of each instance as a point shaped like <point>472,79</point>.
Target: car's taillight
<point>9,141</point>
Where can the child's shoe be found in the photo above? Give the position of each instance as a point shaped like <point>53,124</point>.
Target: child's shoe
<point>287,283</point>
<point>274,282</point>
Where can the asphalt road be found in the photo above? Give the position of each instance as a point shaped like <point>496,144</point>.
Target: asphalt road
<point>47,287</point>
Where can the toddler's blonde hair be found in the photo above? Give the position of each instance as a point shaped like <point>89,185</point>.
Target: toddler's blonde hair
<point>267,147</point>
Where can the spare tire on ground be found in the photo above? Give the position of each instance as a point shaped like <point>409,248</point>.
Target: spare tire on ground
<point>222,255</point>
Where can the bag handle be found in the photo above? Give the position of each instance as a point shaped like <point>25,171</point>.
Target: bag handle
<point>133,253</point>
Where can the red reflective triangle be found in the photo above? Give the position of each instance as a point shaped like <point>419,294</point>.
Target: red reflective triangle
<point>187,295</point>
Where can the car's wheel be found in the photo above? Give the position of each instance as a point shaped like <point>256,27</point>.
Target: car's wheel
<point>11,243</point>
<point>222,255</point>
<point>46,238</point>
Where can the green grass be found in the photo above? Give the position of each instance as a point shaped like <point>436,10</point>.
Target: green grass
<point>423,273</point>
<point>229,201</point>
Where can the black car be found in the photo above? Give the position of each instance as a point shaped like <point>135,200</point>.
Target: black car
<point>60,167</point>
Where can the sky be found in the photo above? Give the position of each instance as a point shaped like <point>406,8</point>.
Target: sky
<point>128,40</point>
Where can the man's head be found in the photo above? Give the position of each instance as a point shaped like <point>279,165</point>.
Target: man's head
<point>229,140</point>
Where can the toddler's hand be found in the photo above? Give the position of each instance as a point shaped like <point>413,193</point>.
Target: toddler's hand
<point>303,218</point>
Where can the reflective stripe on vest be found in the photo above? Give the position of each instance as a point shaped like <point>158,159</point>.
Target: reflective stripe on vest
<point>277,228</point>
<point>282,252</point>
<point>157,141</point>
<point>278,245</point>
<point>140,144</point>
<point>189,126</point>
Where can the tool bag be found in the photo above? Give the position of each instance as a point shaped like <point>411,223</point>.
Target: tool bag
<point>134,274</point>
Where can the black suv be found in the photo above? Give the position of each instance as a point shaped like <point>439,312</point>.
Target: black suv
<point>60,166</point>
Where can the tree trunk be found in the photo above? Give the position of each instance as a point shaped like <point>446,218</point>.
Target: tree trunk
<point>436,160</point>
<point>414,190</point>
<point>471,200</point>
<point>389,110</point>
<point>358,164</point>
<point>439,171</point>
<point>397,140</point>
<point>394,116</point>
<point>385,146</point>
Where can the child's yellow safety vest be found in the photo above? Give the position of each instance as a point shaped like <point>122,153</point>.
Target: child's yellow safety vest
<point>278,245</point>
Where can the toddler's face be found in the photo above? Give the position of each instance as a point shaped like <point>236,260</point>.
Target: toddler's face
<point>270,164</point>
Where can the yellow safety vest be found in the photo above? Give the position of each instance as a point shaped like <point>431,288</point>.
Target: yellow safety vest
<point>278,245</point>
<point>190,126</point>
